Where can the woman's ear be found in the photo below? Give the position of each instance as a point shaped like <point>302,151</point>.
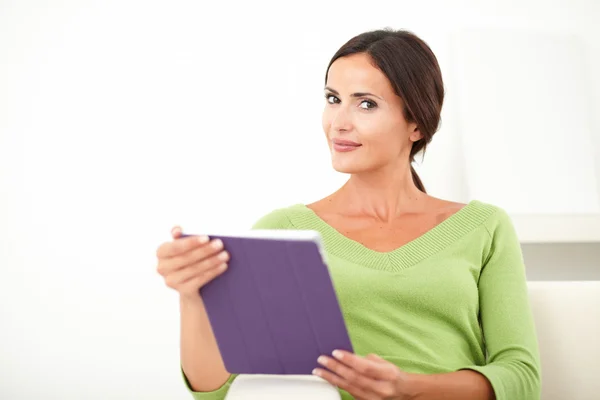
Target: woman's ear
<point>416,134</point>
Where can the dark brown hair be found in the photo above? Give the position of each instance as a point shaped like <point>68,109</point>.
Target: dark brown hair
<point>414,73</point>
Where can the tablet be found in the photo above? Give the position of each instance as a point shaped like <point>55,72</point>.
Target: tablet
<point>274,310</point>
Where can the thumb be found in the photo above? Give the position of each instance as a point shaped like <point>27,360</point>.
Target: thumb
<point>176,232</point>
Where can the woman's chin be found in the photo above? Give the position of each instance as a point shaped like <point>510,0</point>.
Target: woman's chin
<point>347,167</point>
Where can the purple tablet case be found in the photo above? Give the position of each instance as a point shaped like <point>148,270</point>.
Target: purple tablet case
<point>275,310</point>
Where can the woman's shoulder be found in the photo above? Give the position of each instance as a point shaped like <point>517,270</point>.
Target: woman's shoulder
<point>278,218</point>
<point>497,219</point>
<point>493,217</point>
<point>474,211</point>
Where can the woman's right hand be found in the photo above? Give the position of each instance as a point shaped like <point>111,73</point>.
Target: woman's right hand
<point>188,263</point>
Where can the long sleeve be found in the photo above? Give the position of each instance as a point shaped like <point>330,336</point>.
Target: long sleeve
<point>218,394</point>
<point>513,364</point>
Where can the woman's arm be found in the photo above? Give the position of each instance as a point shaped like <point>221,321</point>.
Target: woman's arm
<point>459,385</point>
<point>201,360</point>
<point>373,377</point>
<point>513,361</point>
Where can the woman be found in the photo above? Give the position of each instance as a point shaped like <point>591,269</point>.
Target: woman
<point>433,292</point>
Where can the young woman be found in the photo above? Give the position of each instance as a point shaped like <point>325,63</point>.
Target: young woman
<point>433,292</point>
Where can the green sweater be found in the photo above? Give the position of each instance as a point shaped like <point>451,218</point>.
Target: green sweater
<point>454,298</point>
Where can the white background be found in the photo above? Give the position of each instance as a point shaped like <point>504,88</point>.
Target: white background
<point>120,119</point>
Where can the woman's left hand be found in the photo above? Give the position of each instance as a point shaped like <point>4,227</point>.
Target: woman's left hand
<point>369,377</point>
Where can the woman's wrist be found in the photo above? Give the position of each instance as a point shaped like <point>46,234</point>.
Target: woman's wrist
<point>463,384</point>
<point>190,301</point>
<point>415,385</point>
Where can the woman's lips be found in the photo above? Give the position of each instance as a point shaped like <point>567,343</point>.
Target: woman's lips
<point>344,145</point>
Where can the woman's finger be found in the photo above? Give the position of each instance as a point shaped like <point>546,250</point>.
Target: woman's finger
<point>346,372</point>
<point>200,254</point>
<point>376,358</point>
<point>181,275</point>
<point>180,246</point>
<point>198,281</point>
<point>342,383</point>
<point>176,232</point>
<point>191,257</point>
<point>373,369</point>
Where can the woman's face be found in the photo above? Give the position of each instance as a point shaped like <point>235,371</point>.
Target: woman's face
<point>363,118</point>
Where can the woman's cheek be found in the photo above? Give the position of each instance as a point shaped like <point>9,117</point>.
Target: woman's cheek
<point>326,121</point>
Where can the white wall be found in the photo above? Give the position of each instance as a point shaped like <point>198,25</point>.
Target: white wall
<point>120,119</point>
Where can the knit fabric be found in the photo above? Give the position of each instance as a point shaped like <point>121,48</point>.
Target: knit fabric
<point>454,298</point>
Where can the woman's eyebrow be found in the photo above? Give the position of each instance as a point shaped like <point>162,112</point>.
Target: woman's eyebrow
<point>357,94</point>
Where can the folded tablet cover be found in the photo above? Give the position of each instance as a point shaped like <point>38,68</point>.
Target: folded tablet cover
<point>274,311</point>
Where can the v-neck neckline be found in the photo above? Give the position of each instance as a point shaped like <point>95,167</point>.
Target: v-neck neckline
<point>428,243</point>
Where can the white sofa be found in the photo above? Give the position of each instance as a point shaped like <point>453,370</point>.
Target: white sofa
<point>278,387</point>
<point>567,317</point>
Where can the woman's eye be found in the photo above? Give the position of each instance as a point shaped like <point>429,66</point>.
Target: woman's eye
<point>367,105</point>
<point>331,99</point>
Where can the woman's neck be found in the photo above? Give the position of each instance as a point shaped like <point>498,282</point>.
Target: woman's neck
<point>382,194</point>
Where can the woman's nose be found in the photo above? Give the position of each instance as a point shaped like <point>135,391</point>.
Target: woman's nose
<point>341,120</point>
